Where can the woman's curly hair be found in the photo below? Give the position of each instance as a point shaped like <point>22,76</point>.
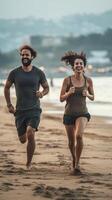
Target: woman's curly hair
<point>71,56</point>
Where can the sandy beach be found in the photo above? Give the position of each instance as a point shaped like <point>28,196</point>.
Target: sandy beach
<point>50,176</point>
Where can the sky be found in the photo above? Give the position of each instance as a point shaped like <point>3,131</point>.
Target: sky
<point>51,9</point>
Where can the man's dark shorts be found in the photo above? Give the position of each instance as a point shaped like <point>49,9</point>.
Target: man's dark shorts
<point>27,118</point>
<point>71,119</point>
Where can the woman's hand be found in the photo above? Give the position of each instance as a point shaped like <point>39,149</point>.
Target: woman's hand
<point>71,90</point>
<point>85,93</point>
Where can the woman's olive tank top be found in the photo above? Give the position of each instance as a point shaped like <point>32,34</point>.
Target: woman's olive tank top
<point>76,103</point>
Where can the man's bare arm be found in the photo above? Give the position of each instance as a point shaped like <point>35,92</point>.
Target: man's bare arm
<point>45,90</point>
<point>7,96</point>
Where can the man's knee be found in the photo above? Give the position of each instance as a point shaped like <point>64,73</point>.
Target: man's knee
<point>22,139</point>
<point>30,133</point>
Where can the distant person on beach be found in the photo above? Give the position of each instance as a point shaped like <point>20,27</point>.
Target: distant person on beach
<point>74,91</point>
<point>27,80</point>
<point>51,82</point>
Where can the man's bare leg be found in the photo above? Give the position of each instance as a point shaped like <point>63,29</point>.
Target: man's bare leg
<point>30,145</point>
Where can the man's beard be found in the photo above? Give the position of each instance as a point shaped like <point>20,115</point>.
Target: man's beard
<point>26,61</point>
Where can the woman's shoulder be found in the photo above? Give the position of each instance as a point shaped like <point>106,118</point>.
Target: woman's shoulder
<point>67,79</point>
<point>88,79</point>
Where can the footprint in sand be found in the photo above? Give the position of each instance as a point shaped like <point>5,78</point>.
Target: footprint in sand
<point>6,186</point>
<point>62,193</point>
<point>10,125</point>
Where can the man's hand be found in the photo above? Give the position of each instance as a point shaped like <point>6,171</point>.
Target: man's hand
<point>39,94</point>
<point>11,108</point>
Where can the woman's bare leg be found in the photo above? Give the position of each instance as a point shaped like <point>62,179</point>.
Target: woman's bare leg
<point>71,141</point>
<point>81,123</point>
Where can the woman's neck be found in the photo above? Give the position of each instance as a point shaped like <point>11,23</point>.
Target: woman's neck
<point>79,76</point>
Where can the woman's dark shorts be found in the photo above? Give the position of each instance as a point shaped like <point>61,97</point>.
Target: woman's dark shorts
<point>71,119</point>
<point>27,118</point>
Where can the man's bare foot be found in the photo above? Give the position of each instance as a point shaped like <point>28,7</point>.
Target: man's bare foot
<point>28,166</point>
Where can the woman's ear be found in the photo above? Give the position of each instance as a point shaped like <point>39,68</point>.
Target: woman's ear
<point>84,69</point>
<point>72,68</point>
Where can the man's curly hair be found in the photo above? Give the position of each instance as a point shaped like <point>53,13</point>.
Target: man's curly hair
<point>33,52</point>
<point>71,56</point>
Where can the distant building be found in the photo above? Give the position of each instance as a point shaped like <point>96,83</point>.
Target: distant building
<point>51,41</point>
<point>99,58</point>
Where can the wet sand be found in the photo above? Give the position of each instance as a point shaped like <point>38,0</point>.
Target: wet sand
<point>50,176</point>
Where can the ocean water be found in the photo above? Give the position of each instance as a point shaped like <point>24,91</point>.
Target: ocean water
<point>101,106</point>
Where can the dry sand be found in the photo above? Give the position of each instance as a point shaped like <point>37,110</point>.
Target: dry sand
<point>50,176</point>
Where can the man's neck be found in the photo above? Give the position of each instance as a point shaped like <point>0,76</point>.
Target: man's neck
<point>27,69</point>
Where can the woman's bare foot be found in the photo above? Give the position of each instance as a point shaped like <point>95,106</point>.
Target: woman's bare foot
<point>73,164</point>
<point>77,170</point>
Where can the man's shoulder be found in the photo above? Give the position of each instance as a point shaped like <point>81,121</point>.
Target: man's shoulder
<point>15,69</point>
<point>12,74</point>
<point>36,69</point>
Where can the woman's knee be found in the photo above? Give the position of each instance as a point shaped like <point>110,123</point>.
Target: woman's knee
<point>79,133</point>
<point>71,144</point>
<point>79,137</point>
